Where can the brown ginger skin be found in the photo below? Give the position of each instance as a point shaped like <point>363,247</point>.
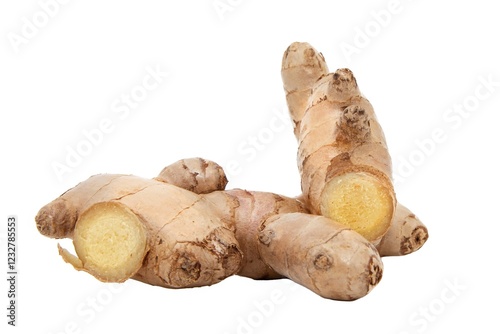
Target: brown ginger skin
<point>328,255</point>
<point>194,174</point>
<point>406,235</point>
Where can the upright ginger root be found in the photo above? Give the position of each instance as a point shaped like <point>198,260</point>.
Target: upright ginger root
<point>124,226</point>
<point>343,158</point>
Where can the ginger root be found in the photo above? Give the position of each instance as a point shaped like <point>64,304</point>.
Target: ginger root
<point>184,229</point>
<point>343,157</point>
<point>318,258</point>
<point>124,226</point>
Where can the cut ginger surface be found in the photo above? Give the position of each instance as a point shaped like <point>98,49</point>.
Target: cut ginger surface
<point>110,240</point>
<point>359,201</point>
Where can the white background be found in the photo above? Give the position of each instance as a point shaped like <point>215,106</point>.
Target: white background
<point>223,100</point>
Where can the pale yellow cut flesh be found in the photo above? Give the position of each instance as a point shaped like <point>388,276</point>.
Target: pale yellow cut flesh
<point>359,201</point>
<point>110,241</point>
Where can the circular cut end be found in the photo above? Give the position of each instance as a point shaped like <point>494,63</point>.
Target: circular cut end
<point>360,201</point>
<point>110,241</point>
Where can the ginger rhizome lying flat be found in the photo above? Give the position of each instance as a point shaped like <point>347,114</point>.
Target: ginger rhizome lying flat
<point>124,226</point>
<point>177,229</point>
